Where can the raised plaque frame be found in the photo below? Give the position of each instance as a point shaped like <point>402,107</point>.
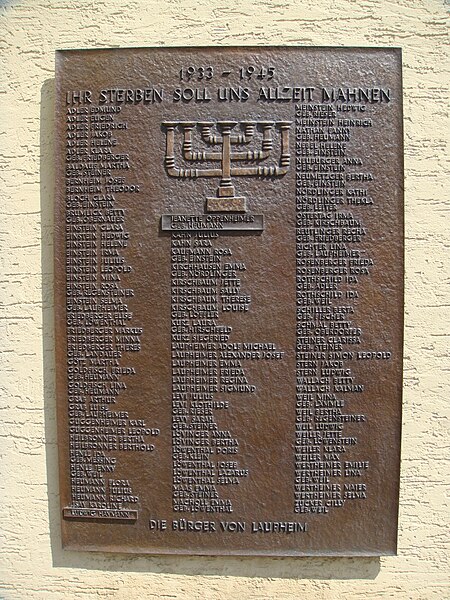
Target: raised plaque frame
<point>229,299</point>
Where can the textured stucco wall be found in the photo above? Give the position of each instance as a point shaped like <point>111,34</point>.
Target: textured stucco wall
<point>33,566</point>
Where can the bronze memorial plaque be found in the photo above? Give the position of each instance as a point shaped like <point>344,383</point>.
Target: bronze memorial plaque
<point>229,299</point>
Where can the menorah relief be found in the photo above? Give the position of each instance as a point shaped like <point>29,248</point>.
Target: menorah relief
<point>232,150</point>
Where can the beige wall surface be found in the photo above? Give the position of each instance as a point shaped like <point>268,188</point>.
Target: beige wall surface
<point>33,566</point>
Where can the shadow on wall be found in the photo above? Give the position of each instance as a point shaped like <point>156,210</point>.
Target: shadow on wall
<point>321,568</point>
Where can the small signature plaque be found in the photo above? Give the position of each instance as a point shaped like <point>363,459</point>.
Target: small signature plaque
<point>229,299</point>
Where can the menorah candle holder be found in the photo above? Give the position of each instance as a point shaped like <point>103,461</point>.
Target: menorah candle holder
<point>232,150</point>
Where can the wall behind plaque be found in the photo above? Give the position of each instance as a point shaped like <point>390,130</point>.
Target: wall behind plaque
<point>32,563</point>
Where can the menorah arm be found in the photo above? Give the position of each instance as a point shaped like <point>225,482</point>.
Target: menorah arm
<point>273,171</point>
<point>190,155</point>
<point>267,146</point>
<point>169,159</point>
<point>251,155</point>
<point>174,171</point>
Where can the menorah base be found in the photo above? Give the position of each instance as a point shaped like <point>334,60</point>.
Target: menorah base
<point>231,204</point>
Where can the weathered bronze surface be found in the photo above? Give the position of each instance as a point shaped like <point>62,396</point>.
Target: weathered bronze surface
<point>229,299</point>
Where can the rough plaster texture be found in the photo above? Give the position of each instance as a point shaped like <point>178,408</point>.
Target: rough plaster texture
<point>33,566</point>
